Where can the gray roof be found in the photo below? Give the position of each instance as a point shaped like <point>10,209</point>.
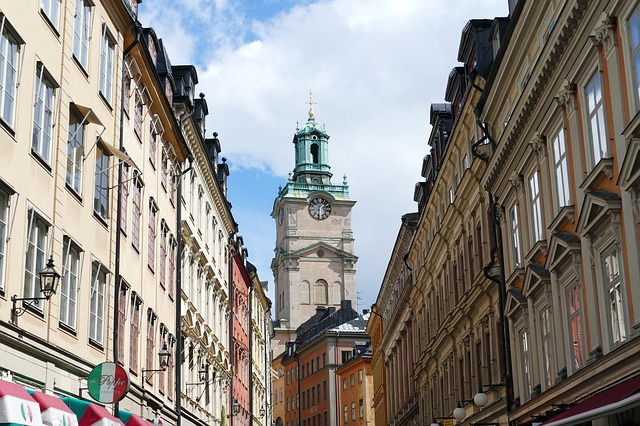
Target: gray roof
<point>354,326</point>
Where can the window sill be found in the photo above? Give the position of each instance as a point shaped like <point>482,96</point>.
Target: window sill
<point>7,127</point>
<point>100,219</point>
<point>96,345</point>
<point>73,192</point>
<point>30,307</point>
<point>41,161</point>
<point>104,99</point>
<point>67,329</point>
<point>81,67</point>
<point>50,24</point>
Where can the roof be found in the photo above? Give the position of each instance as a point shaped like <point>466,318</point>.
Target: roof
<point>311,127</point>
<point>354,326</point>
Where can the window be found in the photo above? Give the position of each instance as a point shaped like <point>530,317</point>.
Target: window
<point>170,372</point>
<point>360,376</point>
<point>634,30</point>
<point>122,319</point>
<point>4,219</point>
<point>561,169</point>
<point>321,290</point>
<point>75,151</point>
<point>107,47</point>
<point>96,311</point>
<point>352,380</point>
<point>536,208</point>
<point>346,414</point>
<point>35,261</point>
<point>137,114</point>
<point>69,285</point>
<point>81,31</point>
<point>546,339</point>
<point>151,243</point>
<point>163,254</point>
<point>361,404</point>
<point>124,197</point>
<point>595,116</point>
<point>153,143</point>
<point>613,288</point>
<point>344,383</point>
<point>151,332</point>
<point>575,326</point>
<point>526,364</point>
<point>127,93</point>
<point>136,213</point>
<point>101,190</point>
<point>51,9</point>
<point>515,237</point>
<point>172,265</point>
<point>353,411</point>
<point>43,115</point>
<point>9,50</point>
<point>134,332</point>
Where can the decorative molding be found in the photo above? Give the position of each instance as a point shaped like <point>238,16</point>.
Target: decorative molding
<point>538,145</point>
<point>566,95</point>
<point>517,182</point>
<point>603,34</point>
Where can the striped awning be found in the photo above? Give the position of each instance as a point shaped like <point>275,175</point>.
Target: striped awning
<point>17,407</point>
<point>54,411</point>
<point>90,414</point>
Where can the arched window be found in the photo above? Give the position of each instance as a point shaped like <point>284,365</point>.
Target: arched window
<point>314,153</point>
<point>320,293</point>
<point>305,293</point>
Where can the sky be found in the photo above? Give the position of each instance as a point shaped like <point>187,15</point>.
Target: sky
<point>375,67</point>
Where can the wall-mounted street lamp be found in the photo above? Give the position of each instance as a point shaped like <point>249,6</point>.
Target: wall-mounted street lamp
<point>481,398</point>
<point>236,407</point>
<point>49,280</point>
<point>163,358</point>
<point>459,413</point>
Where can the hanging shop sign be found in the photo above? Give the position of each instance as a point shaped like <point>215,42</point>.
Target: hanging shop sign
<point>108,383</point>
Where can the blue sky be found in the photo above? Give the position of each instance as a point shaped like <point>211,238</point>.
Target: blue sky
<point>375,66</point>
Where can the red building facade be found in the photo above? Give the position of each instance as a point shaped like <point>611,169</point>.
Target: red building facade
<point>240,282</point>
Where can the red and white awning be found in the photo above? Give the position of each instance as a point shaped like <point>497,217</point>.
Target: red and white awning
<point>54,411</point>
<point>17,406</point>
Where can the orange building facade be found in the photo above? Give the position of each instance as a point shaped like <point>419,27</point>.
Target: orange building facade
<point>355,378</point>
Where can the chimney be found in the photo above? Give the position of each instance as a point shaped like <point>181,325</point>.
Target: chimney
<point>345,304</point>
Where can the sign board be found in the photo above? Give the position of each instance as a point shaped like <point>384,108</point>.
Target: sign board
<point>108,383</point>
<point>448,422</point>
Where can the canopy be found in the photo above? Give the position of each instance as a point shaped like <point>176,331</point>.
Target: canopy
<point>90,414</point>
<point>615,399</point>
<point>130,419</point>
<point>54,411</point>
<point>16,406</point>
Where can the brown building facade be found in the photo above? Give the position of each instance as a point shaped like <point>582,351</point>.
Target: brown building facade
<point>355,378</point>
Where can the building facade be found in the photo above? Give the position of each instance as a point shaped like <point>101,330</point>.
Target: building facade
<point>375,330</point>
<point>355,378</point>
<point>564,168</point>
<point>206,223</point>
<point>85,116</point>
<point>278,400</point>
<point>314,263</point>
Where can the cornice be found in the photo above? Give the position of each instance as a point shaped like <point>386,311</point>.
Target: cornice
<point>535,91</point>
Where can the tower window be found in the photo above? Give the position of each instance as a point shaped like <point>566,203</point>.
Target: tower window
<point>314,153</point>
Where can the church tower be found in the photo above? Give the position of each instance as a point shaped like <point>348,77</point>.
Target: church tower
<point>314,262</point>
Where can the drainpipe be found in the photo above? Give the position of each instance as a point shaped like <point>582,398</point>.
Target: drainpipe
<point>117,277</point>
<point>178,296</point>
<point>500,281</point>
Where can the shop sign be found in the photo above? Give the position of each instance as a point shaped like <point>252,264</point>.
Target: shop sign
<point>108,383</point>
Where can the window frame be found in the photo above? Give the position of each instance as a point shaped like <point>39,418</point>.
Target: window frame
<point>632,53</point>
<point>42,133</point>
<point>516,237</point>
<point>107,60</point>
<point>71,295</point>
<point>96,330</point>
<point>8,33</point>
<point>599,112</point>
<point>31,289</point>
<point>535,204</point>
<point>82,35</point>
<point>46,10</point>
<point>101,194</point>
<point>562,178</point>
<point>5,212</point>
<point>575,317</point>
<point>74,161</point>
<point>617,284</point>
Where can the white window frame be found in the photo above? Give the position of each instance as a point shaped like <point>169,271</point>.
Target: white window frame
<point>573,289</point>
<point>537,227</point>
<point>101,184</point>
<point>97,303</point>
<point>82,32</point>
<point>51,9</point>
<point>10,47</point>
<point>107,57</point>
<point>524,346</point>
<point>634,51</point>
<point>35,255</point>
<point>546,341</point>
<point>613,286</point>
<point>75,151</point>
<point>43,115</point>
<point>5,206</point>
<point>70,283</point>
<point>561,169</point>
<point>595,114</point>
<point>516,243</point>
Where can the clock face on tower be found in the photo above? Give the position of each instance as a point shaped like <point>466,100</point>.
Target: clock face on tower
<point>319,208</point>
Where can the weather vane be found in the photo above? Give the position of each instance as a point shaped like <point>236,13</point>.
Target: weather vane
<point>311,103</point>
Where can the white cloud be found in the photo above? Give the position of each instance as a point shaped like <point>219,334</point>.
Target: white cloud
<point>374,66</point>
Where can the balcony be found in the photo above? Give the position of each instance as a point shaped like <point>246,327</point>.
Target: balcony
<point>297,189</point>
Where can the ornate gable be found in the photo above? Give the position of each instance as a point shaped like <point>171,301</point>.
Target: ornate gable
<point>561,244</point>
<point>596,207</point>
<point>536,274</point>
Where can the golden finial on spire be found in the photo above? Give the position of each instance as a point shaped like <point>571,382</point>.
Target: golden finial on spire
<point>311,103</point>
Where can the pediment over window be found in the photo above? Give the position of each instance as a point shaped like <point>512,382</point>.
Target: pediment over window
<point>561,244</point>
<point>597,205</point>
<point>329,251</point>
<point>630,171</point>
<point>536,274</point>
<point>515,302</point>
